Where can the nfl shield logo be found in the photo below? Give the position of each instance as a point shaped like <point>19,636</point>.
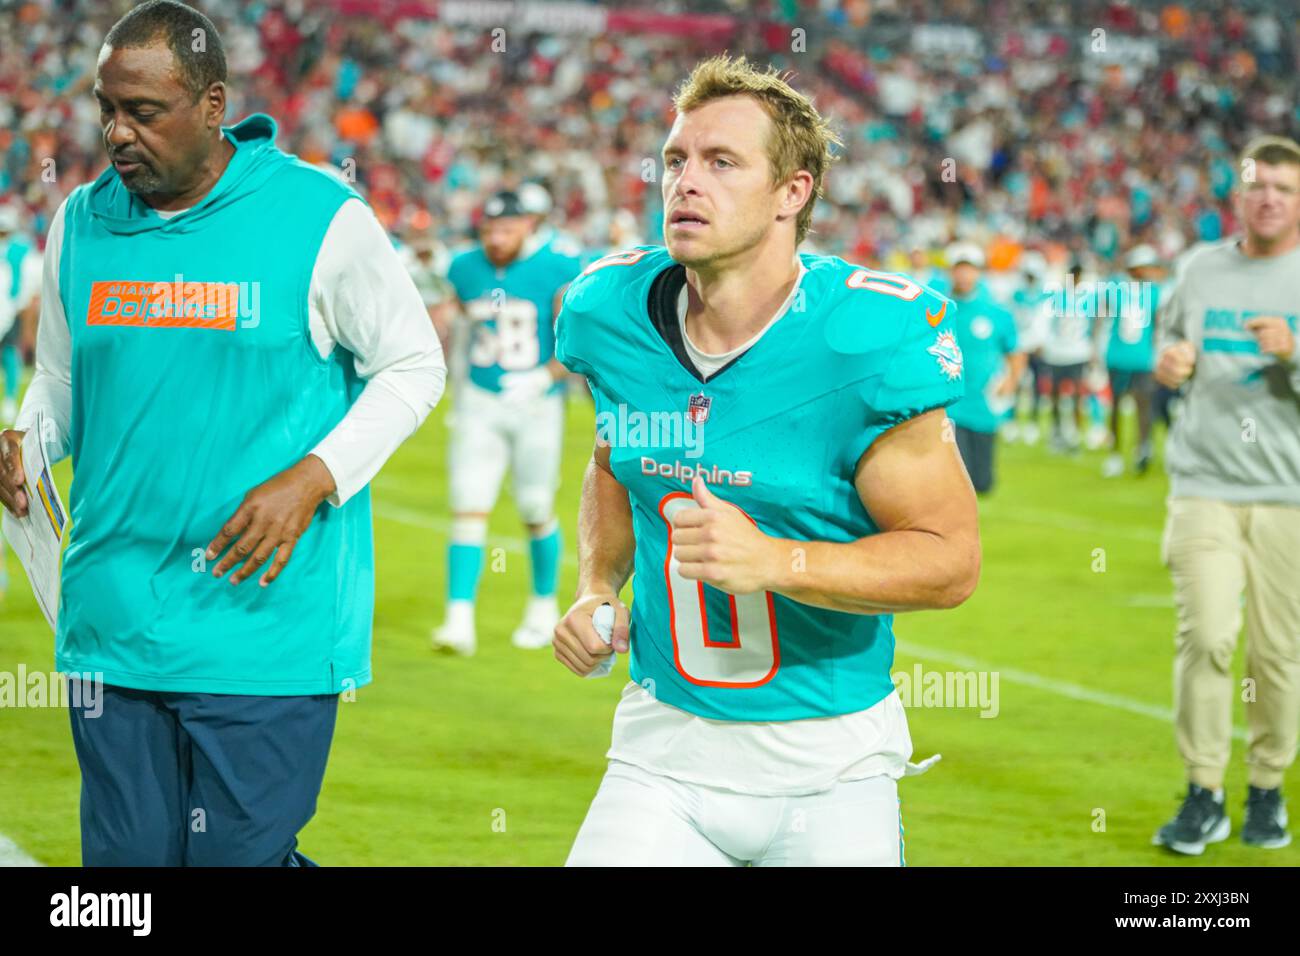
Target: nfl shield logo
<point>697,409</point>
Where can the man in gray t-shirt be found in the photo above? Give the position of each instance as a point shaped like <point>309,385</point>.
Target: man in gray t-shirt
<point>1229,331</point>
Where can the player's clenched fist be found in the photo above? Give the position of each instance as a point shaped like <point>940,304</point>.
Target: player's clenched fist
<point>12,496</point>
<point>577,645</point>
<point>1273,335</point>
<point>718,544</point>
<point>1176,364</point>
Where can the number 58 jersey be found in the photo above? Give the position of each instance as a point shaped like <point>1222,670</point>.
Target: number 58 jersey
<point>778,432</point>
<point>510,308</point>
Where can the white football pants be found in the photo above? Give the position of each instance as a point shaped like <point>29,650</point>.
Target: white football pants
<point>639,818</point>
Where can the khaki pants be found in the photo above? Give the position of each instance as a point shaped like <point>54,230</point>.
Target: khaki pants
<point>1215,552</point>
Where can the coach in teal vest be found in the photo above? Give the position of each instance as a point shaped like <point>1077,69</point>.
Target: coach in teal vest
<point>223,601</point>
<point>217,391</point>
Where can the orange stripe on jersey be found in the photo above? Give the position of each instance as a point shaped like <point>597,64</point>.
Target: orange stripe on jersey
<point>162,305</point>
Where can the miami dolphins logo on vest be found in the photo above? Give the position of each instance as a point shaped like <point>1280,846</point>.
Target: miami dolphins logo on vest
<point>178,304</point>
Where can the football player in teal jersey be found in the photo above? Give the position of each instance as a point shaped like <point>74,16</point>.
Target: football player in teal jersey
<point>992,364</point>
<point>17,291</point>
<point>509,407</point>
<point>1131,352</point>
<point>770,461</point>
<point>19,283</point>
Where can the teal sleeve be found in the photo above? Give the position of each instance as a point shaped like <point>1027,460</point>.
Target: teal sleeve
<point>585,316</point>
<point>456,275</point>
<point>569,350</point>
<point>606,412</point>
<point>568,268</point>
<point>563,348</point>
<point>602,399</point>
<point>924,373</point>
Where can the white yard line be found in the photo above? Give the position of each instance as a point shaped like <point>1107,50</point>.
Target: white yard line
<point>443,526</point>
<point>1049,684</point>
<point>1149,600</point>
<point>12,855</point>
<point>1066,522</point>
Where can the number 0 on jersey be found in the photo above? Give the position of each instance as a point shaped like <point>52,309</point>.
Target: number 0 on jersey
<point>752,655</point>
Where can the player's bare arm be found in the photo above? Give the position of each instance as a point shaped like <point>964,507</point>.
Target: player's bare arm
<point>605,551</point>
<point>926,556</point>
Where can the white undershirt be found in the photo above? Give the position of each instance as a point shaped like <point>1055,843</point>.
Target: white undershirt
<point>360,299</point>
<point>709,362</point>
<point>783,758</point>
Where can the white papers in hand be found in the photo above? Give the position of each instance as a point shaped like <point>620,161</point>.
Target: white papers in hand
<point>37,539</point>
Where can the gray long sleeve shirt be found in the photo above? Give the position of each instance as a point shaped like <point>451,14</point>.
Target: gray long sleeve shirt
<point>1238,437</point>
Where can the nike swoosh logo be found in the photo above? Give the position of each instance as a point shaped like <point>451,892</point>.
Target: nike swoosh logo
<point>935,319</point>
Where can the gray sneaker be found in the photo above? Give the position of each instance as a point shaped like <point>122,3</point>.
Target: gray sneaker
<point>1201,820</point>
<point>1265,825</point>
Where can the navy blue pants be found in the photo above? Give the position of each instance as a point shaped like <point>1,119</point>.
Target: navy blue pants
<point>977,450</point>
<point>172,779</point>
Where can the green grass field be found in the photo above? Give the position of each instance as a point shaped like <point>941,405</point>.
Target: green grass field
<point>493,760</point>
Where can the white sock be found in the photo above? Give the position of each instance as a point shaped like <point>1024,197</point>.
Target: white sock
<point>460,613</point>
<point>542,602</point>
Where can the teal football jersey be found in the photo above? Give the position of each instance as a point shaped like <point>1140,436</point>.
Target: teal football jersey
<point>778,432</point>
<point>986,333</point>
<point>15,251</point>
<point>1131,344</point>
<point>511,309</point>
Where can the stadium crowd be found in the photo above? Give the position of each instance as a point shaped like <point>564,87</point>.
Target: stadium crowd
<point>956,123</point>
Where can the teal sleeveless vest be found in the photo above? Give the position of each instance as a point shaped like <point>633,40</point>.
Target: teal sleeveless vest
<point>194,380</point>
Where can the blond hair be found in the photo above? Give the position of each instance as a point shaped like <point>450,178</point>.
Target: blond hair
<point>799,139</point>
<point>1274,150</point>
